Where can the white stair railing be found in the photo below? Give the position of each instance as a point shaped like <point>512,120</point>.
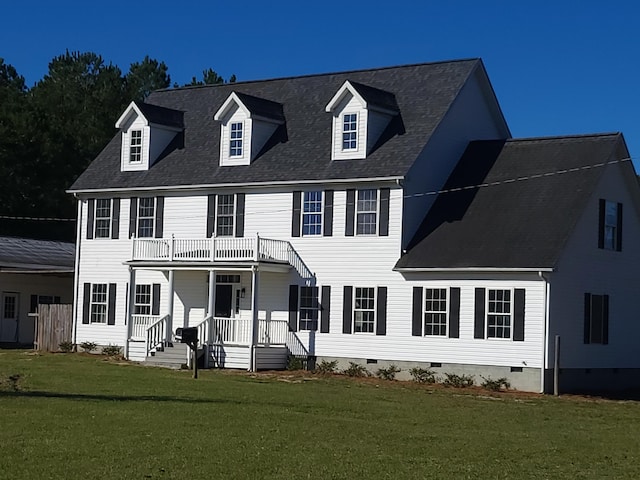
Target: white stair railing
<point>156,334</point>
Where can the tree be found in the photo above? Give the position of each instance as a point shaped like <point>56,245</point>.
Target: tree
<point>210,77</point>
<point>145,77</point>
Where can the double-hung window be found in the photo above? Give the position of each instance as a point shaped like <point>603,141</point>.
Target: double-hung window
<point>98,305</point>
<point>499,313</point>
<point>103,218</point>
<point>146,216</point>
<point>142,305</point>
<point>135,146</point>
<point>364,310</point>
<point>235,139</point>
<point>350,131</point>
<point>312,214</point>
<point>225,213</point>
<point>435,311</point>
<point>309,308</point>
<point>367,212</point>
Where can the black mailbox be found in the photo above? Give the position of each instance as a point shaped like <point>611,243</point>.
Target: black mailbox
<point>187,334</point>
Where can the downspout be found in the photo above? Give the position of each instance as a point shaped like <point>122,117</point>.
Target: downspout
<point>76,272</point>
<point>545,335</point>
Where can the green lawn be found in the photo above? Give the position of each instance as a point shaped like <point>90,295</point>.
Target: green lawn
<point>75,416</point>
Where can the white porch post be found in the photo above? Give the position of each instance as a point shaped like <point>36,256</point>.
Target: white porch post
<point>255,277</point>
<point>212,293</point>
<point>169,332</point>
<point>130,307</point>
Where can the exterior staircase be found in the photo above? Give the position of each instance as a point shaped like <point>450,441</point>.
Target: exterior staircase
<point>173,355</point>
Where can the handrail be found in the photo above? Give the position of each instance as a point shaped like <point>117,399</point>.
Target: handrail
<point>156,334</point>
<point>204,330</point>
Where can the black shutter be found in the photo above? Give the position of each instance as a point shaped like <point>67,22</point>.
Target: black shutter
<point>518,314</point>
<point>111,314</point>
<point>381,311</point>
<point>133,217</point>
<point>384,212</point>
<point>619,229</point>
<point>479,320</point>
<point>326,309</point>
<point>351,210</point>
<point>211,215</point>
<point>347,312</point>
<point>293,308</point>
<point>240,215</point>
<point>34,304</point>
<point>605,319</point>
<point>587,318</point>
<point>597,317</point>
<point>328,213</point>
<point>295,216</point>
<point>159,217</point>
<point>416,316</point>
<point>454,312</point>
<point>86,303</point>
<point>115,219</point>
<point>601,213</point>
<point>91,205</point>
<point>155,299</point>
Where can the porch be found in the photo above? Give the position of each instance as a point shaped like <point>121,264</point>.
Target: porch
<point>233,290</point>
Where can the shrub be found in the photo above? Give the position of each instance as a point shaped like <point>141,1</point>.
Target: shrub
<point>423,375</point>
<point>388,373</point>
<point>326,368</point>
<point>458,381</point>
<point>112,351</point>
<point>294,363</point>
<point>356,370</point>
<point>66,347</point>
<point>495,385</point>
<point>88,347</point>
<point>12,382</point>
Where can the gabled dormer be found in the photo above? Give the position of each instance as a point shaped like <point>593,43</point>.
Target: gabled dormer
<point>247,124</point>
<point>146,131</point>
<point>360,115</point>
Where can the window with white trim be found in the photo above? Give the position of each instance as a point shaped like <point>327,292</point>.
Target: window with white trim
<point>367,212</point>
<point>364,310</point>
<point>435,311</point>
<point>102,218</point>
<point>499,313</point>
<point>98,305</point>
<point>142,302</point>
<point>146,216</point>
<point>235,139</point>
<point>350,131</point>
<point>312,214</point>
<point>225,215</point>
<point>135,146</point>
<point>309,307</point>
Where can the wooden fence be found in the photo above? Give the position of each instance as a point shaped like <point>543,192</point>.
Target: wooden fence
<point>54,325</point>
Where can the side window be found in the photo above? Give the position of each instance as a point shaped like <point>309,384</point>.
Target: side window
<point>312,214</point>
<point>103,218</point>
<point>135,146</point>
<point>367,212</point>
<point>146,217</point>
<point>610,225</point>
<point>364,310</point>
<point>309,308</point>
<point>435,311</point>
<point>225,214</point>
<point>596,318</point>
<point>350,131</point>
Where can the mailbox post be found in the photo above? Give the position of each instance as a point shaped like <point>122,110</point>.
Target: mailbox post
<point>189,335</point>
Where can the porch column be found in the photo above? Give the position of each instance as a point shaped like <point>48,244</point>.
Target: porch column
<point>212,293</point>
<point>131,303</point>
<point>255,278</point>
<point>169,332</point>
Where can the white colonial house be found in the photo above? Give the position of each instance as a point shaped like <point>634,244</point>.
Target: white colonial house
<point>379,216</point>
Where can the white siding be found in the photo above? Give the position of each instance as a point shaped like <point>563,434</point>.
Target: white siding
<point>584,268</point>
<point>185,216</point>
<point>471,117</point>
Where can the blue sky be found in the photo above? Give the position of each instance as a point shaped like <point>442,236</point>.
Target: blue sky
<point>558,67</point>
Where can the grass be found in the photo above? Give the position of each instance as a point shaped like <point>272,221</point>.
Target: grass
<point>80,416</point>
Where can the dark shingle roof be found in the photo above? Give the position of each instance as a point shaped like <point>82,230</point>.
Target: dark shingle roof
<point>375,96</point>
<point>161,115</point>
<point>262,107</point>
<point>514,224</point>
<point>25,253</point>
<point>424,93</point>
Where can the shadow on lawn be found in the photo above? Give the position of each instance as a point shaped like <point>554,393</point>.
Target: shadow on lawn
<point>111,398</point>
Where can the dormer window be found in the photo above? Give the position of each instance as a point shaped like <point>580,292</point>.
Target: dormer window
<point>235,144</point>
<point>350,131</point>
<point>135,147</point>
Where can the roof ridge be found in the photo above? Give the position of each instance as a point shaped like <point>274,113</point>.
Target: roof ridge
<point>560,137</point>
<point>309,75</point>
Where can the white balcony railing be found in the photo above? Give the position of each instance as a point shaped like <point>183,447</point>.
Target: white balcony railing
<point>236,331</point>
<point>140,324</point>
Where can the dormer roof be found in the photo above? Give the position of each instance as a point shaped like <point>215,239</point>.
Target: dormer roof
<point>254,107</point>
<point>371,98</point>
<point>152,114</point>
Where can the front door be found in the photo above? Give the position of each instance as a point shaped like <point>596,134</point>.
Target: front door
<point>224,301</point>
<point>9,318</point>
